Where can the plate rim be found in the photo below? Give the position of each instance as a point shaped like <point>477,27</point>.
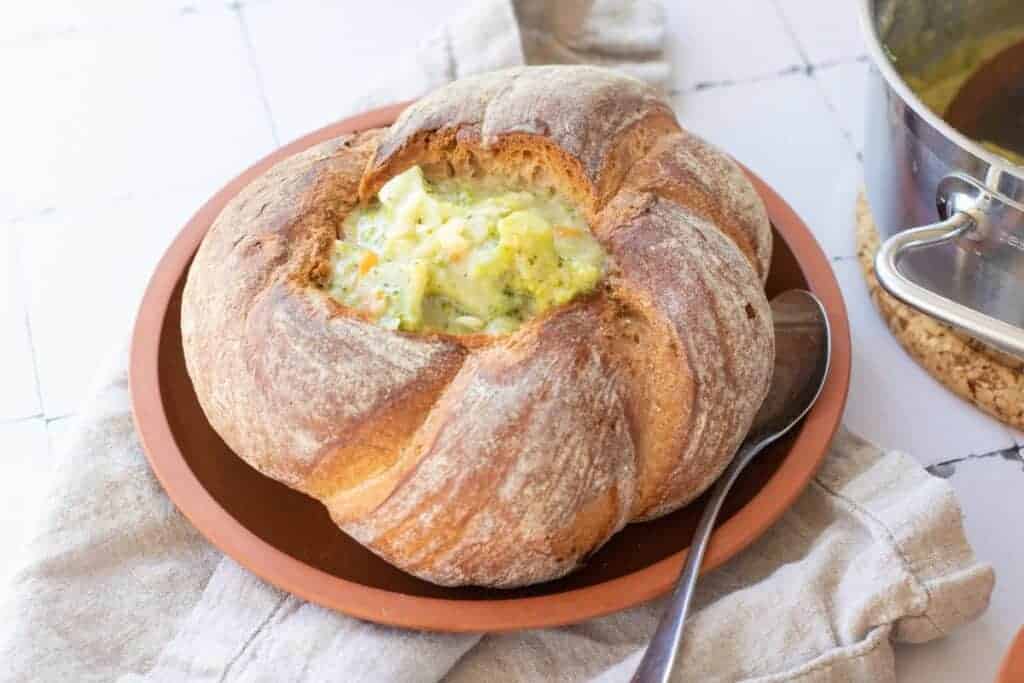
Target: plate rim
<point>235,540</point>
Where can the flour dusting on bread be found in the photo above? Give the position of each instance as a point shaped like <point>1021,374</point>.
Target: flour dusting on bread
<point>506,460</point>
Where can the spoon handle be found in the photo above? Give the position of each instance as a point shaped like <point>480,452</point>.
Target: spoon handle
<point>660,658</point>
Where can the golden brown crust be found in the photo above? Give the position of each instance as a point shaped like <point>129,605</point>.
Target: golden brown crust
<point>693,174</point>
<point>586,124</point>
<point>495,461</point>
<point>277,369</point>
<point>509,462</point>
<point>709,298</point>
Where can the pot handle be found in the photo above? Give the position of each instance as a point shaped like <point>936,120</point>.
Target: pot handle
<point>992,331</point>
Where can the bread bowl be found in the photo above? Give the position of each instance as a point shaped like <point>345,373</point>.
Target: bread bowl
<point>496,457</point>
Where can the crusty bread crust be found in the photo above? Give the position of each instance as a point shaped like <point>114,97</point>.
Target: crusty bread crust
<point>495,461</point>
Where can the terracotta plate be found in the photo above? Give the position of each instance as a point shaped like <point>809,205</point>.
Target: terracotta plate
<point>288,539</point>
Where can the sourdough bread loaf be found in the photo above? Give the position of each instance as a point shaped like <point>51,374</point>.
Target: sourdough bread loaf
<point>496,460</point>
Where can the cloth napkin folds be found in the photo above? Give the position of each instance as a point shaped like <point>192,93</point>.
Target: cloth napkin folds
<point>117,585</point>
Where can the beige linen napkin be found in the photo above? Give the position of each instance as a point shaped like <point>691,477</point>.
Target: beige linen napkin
<point>119,586</point>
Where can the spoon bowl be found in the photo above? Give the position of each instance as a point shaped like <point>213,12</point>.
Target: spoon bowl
<point>803,351</point>
<point>802,354</point>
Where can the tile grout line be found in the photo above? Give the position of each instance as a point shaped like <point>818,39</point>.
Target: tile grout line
<point>46,419</point>
<point>947,468</point>
<point>35,361</point>
<point>809,70</point>
<point>23,285</point>
<point>4,422</point>
<point>701,86</point>
<point>57,31</point>
<point>791,33</point>
<point>839,61</point>
<point>785,72</point>
<point>846,133</point>
<point>238,8</point>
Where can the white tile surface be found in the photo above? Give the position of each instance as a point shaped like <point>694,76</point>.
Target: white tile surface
<point>845,87</point>
<point>827,30</point>
<point>805,157</point>
<point>897,404</point>
<point>728,40</point>
<point>60,431</point>
<point>18,394</point>
<point>315,58</point>
<point>27,21</point>
<point>86,273</point>
<point>25,471</point>
<point>104,115</point>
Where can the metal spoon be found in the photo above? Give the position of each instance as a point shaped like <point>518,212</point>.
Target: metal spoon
<point>802,350</point>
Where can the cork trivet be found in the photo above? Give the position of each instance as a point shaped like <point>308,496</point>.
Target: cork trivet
<point>987,378</point>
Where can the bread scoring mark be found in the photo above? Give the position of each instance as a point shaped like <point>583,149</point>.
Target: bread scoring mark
<point>665,251</point>
<point>658,389</point>
<point>685,169</point>
<point>525,434</point>
<point>511,467</point>
<point>327,375</point>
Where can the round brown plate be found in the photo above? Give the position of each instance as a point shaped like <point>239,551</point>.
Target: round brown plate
<point>289,540</point>
<point>1012,669</point>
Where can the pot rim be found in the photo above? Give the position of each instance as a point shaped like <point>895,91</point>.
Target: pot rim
<point>892,77</point>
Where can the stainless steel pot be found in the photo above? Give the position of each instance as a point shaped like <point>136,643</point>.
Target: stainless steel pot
<point>951,211</point>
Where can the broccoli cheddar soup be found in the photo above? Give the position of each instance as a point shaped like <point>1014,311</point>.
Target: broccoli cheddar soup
<point>462,256</point>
